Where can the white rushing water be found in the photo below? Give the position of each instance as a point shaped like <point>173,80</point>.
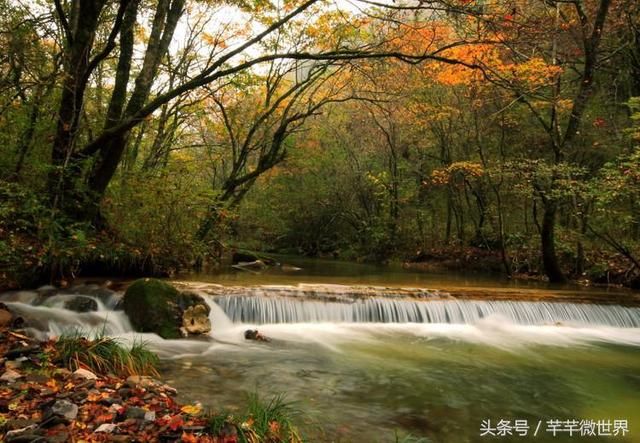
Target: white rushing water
<point>266,310</point>
<point>331,323</point>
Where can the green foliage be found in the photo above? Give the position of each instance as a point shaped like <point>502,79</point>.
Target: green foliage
<point>261,421</point>
<point>104,355</point>
<point>39,244</point>
<point>266,414</point>
<point>160,215</point>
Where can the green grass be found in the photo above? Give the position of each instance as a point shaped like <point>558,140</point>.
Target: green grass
<point>104,355</point>
<point>262,421</point>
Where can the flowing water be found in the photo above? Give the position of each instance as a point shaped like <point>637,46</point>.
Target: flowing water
<point>361,369</point>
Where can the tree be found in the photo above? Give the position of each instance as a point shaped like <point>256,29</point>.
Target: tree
<point>103,153</point>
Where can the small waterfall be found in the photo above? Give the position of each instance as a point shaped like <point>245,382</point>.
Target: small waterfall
<point>49,316</point>
<point>55,320</point>
<point>265,310</point>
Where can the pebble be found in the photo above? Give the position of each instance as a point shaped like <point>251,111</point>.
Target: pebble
<point>106,428</point>
<point>135,413</point>
<point>16,432</point>
<point>84,373</point>
<point>65,409</point>
<point>18,423</point>
<point>137,381</point>
<point>11,376</point>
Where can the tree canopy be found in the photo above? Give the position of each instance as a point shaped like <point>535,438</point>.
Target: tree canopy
<point>164,131</point>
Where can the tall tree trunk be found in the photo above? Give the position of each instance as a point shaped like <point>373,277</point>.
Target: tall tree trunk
<point>547,235</point>
<point>81,30</point>
<point>165,20</point>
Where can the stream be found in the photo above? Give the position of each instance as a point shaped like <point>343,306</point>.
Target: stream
<point>370,368</point>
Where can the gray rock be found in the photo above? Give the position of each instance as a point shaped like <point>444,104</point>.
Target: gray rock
<point>140,414</point>
<point>140,381</point>
<point>81,304</point>
<point>11,435</point>
<point>107,428</point>
<point>65,409</point>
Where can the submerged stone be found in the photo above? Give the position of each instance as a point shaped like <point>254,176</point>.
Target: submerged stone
<point>81,304</point>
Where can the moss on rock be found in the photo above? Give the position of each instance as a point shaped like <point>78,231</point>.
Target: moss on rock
<point>155,306</point>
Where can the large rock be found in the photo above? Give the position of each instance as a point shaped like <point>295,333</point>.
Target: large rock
<point>155,306</point>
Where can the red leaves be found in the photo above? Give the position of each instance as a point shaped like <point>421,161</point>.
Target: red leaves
<point>189,438</point>
<point>105,418</point>
<point>599,122</point>
<point>176,422</point>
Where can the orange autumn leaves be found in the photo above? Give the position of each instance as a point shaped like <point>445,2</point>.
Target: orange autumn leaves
<point>472,59</point>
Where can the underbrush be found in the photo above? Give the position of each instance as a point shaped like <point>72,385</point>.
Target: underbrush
<point>40,246</point>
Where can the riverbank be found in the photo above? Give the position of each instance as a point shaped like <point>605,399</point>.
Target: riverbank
<point>600,268</point>
<point>42,399</point>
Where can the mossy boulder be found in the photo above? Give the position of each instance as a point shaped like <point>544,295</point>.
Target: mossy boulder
<point>156,306</point>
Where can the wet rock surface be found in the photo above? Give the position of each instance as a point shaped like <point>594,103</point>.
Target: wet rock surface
<point>81,304</point>
<point>155,306</point>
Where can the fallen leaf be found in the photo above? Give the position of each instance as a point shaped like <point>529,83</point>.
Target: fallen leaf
<point>189,438</point>
<point>192,409</point>
<point>176,422</point>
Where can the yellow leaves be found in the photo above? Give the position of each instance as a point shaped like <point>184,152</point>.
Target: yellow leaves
<point>533,72</point>
<point>564,105</point>
<point>214,41</point>
<point>456,171</point>
<point>468,55</point>
<point>53,385</point>
<point>141,33</point>
<point>194,409</point>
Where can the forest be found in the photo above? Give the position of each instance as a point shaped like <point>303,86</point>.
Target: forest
<point>332,221</point>
<point>143,137</point>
